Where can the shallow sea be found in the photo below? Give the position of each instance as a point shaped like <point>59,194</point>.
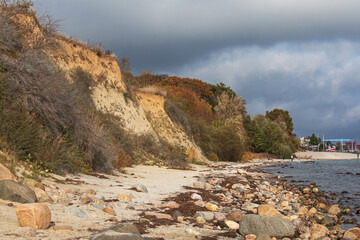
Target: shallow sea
<point>332,176</point>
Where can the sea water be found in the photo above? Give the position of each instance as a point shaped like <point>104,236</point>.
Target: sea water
<point>331,176</point>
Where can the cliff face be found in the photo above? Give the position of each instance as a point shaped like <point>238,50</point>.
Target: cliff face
<point>138,113</point>
<point>153,105</point>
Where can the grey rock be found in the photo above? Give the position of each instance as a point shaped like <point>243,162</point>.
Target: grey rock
<point>113,235</point>
<point>98,206</point>
<point>16,192</point>
<point>199,185</point>
<point>272,226</point>
<point>176,214</point>
<point>76,212</point>
<point>140,188</point>
<point>263,237</point>
<point>125,228</point>
<point>196,196</point>
<point>218,188</point>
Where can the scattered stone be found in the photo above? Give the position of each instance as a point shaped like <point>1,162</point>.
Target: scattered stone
<point>63,228</point>
<point>268,210</point>
<point>231,224</point>
<point>318,231</point>
<point>109,211</point>
<point>235,215</point>
<point>199,203</point>
<point>205,215</point>
<point>86,200</point>
<point>42,196</point>
<point>125,197</point>
<point>306,190</point>
<point>211,207</point>
<point>76,212</point>
<point>140,188</point>
<point>35,215</point>
<point>25,232</point>
<point>250,237</point>
<point>198,184</point>
<point>302,210</point>
<point>192,232</point>
<point>275,227</point>
<point>311,212</point>
<point>241,171</point>
<point>176,215</point>
<point>219,216</point>
<point>98,206</point>
<point>90,193</point>
<point>285,204</point>
<point>112,235</point>
<point>200,220</point>
<point>353,233</point>
<point>16,192</point>
<point>170,204</point>
<point>334,209</point>
<point>315,190</point>
<point>6,174</point>
<point>196,196</point>
<point>159,215</point>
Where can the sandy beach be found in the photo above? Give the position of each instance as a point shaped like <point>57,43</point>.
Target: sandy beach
<point>325,155</point>
<point>149,198</point>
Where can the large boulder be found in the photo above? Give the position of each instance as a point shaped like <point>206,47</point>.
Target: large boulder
<point>16,192</point>
<point>272,226</point>
<point>6,174</point>
<point>35,215</point>
<point>122,231</point>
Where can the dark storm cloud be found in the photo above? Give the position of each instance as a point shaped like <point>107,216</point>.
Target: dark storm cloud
<point>166,33</point>
<point>302,56</point>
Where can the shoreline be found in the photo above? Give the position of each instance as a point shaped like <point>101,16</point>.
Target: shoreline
<point>231,190</point>
<point>310,155</point>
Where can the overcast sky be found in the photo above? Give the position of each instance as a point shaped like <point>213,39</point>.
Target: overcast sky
<point>301,56</point>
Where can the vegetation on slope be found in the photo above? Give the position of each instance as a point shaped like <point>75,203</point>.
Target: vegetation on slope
<point>216,118</point>
<point>51,120</point>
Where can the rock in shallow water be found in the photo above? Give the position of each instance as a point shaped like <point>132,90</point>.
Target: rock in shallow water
<point>272,226</point>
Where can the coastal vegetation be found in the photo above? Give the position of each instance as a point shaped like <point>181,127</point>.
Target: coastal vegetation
<point>50,118</point>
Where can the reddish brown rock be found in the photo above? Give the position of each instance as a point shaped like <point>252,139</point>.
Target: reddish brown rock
<point>235,215</point>
<point>353,233</point>
<point>35,215</point>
